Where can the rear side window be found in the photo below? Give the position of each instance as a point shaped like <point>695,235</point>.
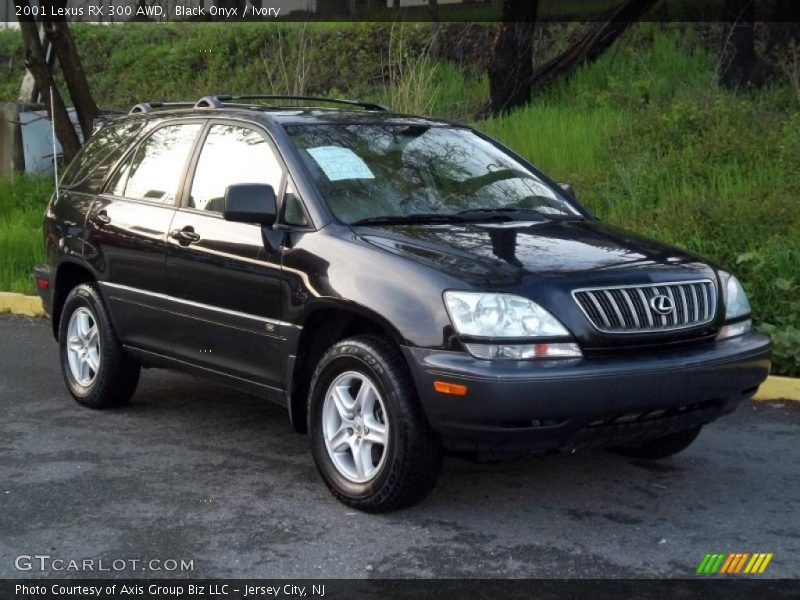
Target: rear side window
<point>89,169</point>
<point>154,170</point>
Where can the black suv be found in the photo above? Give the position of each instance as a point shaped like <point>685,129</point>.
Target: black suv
<point>402,285</point>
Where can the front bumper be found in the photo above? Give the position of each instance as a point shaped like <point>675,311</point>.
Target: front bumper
<point>513,406</point>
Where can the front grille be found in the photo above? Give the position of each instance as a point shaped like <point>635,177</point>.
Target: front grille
<point>630,309</point>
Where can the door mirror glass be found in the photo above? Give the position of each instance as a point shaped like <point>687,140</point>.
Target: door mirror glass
<point>250,203</point>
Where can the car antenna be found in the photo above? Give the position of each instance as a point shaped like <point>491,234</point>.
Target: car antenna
<point>53,123</point>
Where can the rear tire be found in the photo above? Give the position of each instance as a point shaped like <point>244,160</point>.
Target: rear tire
<point>369,436</point>
<point>661,447</point>
<point>97,371</point>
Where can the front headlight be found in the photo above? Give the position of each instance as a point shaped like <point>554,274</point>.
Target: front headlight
<point>736,303</point>
<point>500,316</point>
<point>736,307</point>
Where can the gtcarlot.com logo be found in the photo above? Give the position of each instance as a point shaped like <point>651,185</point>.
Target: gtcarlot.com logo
<point>45,562</point>
<point>734,563</point>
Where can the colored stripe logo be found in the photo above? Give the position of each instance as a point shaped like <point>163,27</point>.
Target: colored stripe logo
<point>734,563</point>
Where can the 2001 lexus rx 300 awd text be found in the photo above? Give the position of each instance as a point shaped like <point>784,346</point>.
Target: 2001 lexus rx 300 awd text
<point>403,286</point>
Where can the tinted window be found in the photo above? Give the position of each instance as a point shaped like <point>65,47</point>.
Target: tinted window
<point>88,171</point>
<point>373,171</point>
<point>154,171</point>
<point>232,155</point>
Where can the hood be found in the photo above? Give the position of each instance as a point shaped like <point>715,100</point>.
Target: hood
<point>503,254</point>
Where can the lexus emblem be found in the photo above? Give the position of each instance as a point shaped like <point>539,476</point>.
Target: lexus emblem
<point>662,304</point>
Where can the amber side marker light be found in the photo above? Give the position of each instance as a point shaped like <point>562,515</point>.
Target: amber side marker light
<point>452,389</point>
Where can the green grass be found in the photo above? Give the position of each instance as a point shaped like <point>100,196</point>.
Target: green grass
<point>567,143</point>
<point>22,202</point>
<point>178,61</point>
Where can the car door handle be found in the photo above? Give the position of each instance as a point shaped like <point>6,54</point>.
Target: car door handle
<point>185,236</point>
<point>101,218</point>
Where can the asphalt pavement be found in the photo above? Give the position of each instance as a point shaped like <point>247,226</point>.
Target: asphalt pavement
<point>194,471</point>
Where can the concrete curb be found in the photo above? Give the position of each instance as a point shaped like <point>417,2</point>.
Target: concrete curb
<point>20,304</point>
<point>774,388</point>
<point>779,388</point>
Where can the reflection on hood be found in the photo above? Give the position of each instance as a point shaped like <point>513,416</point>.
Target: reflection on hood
<point>503,253</point>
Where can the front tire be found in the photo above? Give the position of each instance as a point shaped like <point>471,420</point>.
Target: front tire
<point>369,436</point>
<point>661,447</point>
<point>96,369</point>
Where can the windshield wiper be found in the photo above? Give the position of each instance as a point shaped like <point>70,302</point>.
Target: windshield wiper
<point>528,212</point>
<point>411,219</point>
<point>467,216</point>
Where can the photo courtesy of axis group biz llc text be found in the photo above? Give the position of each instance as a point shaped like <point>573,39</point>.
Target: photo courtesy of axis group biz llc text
<point>399,299</point>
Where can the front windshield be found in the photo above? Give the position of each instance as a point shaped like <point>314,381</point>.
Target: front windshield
<point>369,172</point>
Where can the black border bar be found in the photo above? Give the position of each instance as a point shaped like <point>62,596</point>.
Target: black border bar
<point>705,587</point>
<point>381,11</point>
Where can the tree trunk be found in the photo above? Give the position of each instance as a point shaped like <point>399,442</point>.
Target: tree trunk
<point>739,65</point>
<point>35,61</point>
<point>395,3</point>
<point>143,16</point>
<point>512,59</point>
<point>436,28</point>
<point>74,75</point>
<point>591,45</point>
<point>237,4</point>
<point>785,27</point>
<point>28,92</point>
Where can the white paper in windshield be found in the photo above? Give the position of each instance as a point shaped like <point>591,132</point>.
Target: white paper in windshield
<point>340,163</point>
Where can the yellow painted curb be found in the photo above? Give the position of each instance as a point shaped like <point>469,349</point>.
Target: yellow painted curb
<point>20,304</point>
<point>779,388</point>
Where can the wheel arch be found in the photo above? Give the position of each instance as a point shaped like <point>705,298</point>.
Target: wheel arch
<point>68,275</point>
<point>323,327</point>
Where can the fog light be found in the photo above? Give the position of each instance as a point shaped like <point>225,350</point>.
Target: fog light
<point>524,351</point>
<point>735,329</point>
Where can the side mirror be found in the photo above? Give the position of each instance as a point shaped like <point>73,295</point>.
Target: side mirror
<point>566,187</point>
<point>250,203</point>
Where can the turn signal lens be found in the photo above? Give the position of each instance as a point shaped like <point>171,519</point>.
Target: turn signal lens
<point>452,389</point>
<point>735,329</point>
<point>524,351</point>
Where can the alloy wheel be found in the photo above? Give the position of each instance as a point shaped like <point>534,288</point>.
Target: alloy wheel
<point>83,346</point>
<point>355,427</point>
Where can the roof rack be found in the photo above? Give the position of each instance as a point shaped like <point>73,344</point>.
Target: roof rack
<point>146,107</point>
<point>363,104</point>
<point>223,100</point>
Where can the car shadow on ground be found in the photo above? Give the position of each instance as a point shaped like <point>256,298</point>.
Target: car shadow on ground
<point>217,417</point>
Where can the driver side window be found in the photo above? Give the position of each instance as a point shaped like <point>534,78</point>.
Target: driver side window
<point>230,155</point>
